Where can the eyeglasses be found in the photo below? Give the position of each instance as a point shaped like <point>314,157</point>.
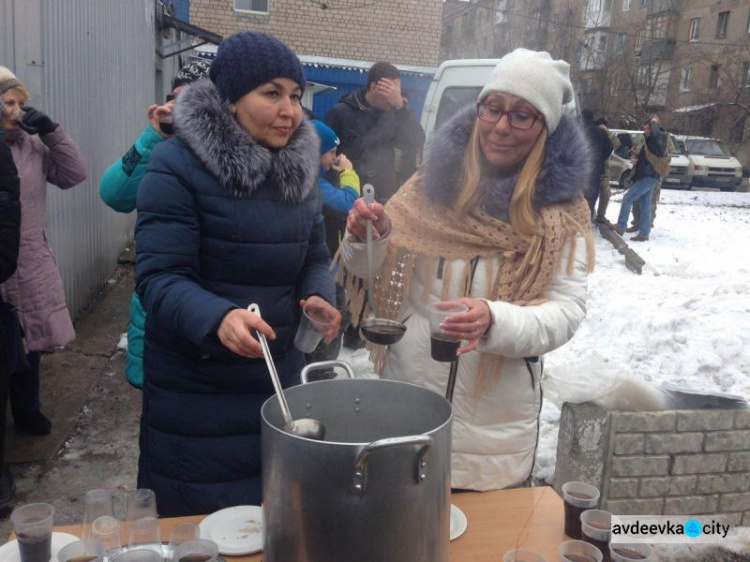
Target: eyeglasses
<point>517,118</point>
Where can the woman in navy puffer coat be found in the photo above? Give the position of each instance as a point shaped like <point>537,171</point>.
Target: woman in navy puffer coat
<point>228,214</point>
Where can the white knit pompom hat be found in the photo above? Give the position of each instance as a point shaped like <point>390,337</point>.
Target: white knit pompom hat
<point>535,77</point>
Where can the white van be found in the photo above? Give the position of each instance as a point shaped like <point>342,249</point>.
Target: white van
<point>456,84</point>
<point>711,163</point>
<point>620,167</point>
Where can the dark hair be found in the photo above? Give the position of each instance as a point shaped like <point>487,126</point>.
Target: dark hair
<point>381,70</point>
<point>602,121</point>
<point>587,114</point>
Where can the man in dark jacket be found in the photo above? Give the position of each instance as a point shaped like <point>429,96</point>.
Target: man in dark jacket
<point>602,150</point>
<point>10,224</point>
<point>649,168</point>
<point>372,123</point>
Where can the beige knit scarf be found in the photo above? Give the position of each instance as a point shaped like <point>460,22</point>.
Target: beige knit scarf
<point>421,229</point>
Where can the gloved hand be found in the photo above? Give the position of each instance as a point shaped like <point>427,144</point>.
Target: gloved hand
<point>36,122</point>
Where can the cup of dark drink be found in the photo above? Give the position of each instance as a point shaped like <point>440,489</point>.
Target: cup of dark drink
<point>596,529</point>
<point>443,348</point>
<point>82,551</point>
<point>199,550</point>
<point>578,497</point>
<point>579,551</point>
<point>32,524</point>
<point>630,552</point>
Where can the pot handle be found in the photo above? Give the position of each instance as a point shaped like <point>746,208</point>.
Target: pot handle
<point>324,365</point>
<point>424,442</point>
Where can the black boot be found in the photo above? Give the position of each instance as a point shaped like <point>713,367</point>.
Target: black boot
<point>33,422</point>
<point>7,487</point>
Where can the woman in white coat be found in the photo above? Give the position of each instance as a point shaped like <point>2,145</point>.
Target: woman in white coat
<point>496,220</point>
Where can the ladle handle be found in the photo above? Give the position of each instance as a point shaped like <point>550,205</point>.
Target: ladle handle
<point>288,420</point>
<point>368,192</point>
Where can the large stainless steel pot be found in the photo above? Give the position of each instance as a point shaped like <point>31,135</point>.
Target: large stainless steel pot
<point>376,490</point>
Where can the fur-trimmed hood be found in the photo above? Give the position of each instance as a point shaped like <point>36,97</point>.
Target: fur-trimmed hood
<point>565,175</point>
<point>204,122</point>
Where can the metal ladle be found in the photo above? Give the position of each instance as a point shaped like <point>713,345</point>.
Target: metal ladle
<point>380,331</point>
<point>305,427</point>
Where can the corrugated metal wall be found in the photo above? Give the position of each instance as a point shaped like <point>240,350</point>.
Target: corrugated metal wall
<point>90,64</point>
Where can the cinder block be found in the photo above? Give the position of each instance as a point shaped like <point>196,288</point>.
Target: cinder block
<point>732,482</point>
<point>633,422</point>
<point>623,488</point>
<point>668,486</point>
<point>738,462</point>
<point>699,464</point>
<point>690,505</point>
<point>742,419</point>
<point>728,440</point>
<point>661,443</point>
<point>705,420</point>
<point>746,519</point>
<point>629,443</point>
<point>731,519</point>
<point>735,502</point>
<point>635,507</point>
<point>640,466</point>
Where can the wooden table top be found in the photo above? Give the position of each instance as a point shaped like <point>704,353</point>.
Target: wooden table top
<point>497,521</point>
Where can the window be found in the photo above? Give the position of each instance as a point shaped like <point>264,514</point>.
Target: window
<point>685,79</point>
<point>255,6</point>
<point>748,24</point>
<point>620,39</point>
<point>639,41</point>
<point>695,29</point>
<point>644,3</point>
<point>721,28</point>
<point>500,7</point>
<point>625,5</point>
<point>602,43</point>
<point>644,74</point>
<point>607,5</point>
<point>745,74</point>
<point>713,77</point>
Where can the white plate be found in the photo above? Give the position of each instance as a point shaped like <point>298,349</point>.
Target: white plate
<point>237,530</point>
<point>458,522</point>
<point>9,551</point>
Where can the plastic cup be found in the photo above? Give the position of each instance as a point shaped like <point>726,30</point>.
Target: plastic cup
<point>82,551</point>
<point>141,503</point>
<point>200,550</point>
<point>32,524</point>
<point>183,532</point>
<point>443,348</point>
<point>579,551</point>
<point>523,555</point>
<point>106,530</point>
<point>313,324</point>
<point>145,533</point>
<point>578,497</point>
<point>630,552</point>
<point>96,503</point>
<point>138,555</point>
<point>596,528</point>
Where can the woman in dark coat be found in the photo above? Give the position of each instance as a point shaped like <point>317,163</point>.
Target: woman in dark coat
<point>228,214</point>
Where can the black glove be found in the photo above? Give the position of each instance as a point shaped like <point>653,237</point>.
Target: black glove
<point>36,123</point>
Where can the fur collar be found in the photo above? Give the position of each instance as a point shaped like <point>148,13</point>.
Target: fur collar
<point>568,167</point>
<point>204,123</point>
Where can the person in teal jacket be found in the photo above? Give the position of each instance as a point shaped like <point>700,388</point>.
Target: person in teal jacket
<point>118,188</point>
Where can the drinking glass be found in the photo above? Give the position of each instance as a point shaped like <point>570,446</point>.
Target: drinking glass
<point>443,348</point>
<point>578,497</point>
<point>96,503</point>
<point>82,551</point>
<point>200,550</point>
<point>522,555</point>
<point>183,532</point>
<point>313,324</point>
<point>32,524</point>
<point>106,530</point>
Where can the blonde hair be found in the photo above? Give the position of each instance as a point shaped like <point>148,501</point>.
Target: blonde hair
<point>522,215</point>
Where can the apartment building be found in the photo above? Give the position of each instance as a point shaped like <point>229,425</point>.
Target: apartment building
<point>403,32</point>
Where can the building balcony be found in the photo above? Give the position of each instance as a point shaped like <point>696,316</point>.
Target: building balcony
<point>657,7</point>
<point>658,49</point>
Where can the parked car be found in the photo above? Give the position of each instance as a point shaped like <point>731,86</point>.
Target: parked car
<point>456,84</point>
<point>620,167</point>
<point>711,164</point>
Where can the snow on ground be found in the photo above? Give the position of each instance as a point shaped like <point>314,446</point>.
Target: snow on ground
<point>685,320</point>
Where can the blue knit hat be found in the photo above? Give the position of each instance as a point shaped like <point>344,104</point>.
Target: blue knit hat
<point>328,138</point>
<point>248,59</point>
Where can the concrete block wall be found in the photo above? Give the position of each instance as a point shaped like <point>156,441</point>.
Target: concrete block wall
<point>398,31</point>
<point>679,462</point>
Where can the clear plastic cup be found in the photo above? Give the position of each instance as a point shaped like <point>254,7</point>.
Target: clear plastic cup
<point>197,550</point>
<point>443,348</point>
<point>596,528</point>
<point>314,323</point>
<point>82,551</point>
<point>523,555</point>
<point>145,533</point>
<point>622,552</point>
<point>579,551</point>
<point>32,524</point>
<point>183,532</point>
<point>106,530</point>
<point>96,503</point>
<point>578,497</point>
